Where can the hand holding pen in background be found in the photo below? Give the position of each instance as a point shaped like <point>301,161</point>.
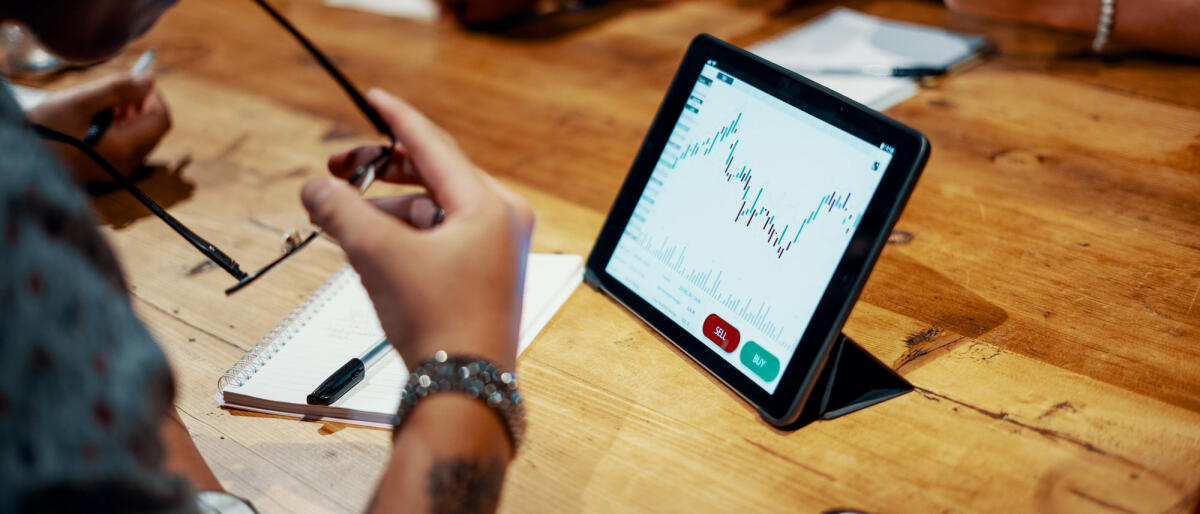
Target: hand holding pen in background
<point>123,117</point>
<point>103,119</point>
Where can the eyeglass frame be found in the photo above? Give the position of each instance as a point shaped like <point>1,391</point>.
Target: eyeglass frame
<point>362,177</point>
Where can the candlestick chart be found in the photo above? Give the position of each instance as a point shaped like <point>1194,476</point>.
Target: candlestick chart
<point>751,207</point>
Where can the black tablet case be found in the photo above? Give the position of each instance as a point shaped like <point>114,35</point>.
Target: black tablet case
<point>853,379</point>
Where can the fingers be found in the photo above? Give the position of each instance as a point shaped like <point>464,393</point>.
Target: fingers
<point>115,92</point>
<point>337,208</point>
<point>138,132</point>
<point>453,181</point>
<point>399,168</point>
<point>133,135</point>
<point>416,209</point>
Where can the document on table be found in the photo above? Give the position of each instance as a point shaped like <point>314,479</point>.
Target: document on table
<point>424,10</point>
<point>846,39</point>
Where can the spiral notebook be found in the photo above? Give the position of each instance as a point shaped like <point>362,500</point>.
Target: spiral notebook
<point>337,323</point>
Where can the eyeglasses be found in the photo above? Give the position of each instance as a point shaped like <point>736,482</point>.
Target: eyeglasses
<point>362,177</point>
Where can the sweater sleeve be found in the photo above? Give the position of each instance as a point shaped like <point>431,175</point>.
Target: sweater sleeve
<point>83,387</point>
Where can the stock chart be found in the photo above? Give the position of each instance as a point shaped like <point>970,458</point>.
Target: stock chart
<point>744,219</point>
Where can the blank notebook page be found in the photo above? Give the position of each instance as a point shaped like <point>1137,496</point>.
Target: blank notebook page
<point>339,330</point>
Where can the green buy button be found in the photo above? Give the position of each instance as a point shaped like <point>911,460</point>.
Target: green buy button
<point>760,361</point>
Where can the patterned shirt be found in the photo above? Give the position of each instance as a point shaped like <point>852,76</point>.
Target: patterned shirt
<point>83,387</point>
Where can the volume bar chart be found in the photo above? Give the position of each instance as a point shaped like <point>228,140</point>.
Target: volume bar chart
<point>673,256</point>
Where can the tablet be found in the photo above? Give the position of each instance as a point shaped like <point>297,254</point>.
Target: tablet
<point>750,219</point>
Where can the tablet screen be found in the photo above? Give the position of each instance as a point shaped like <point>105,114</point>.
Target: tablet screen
<point>744,220</point>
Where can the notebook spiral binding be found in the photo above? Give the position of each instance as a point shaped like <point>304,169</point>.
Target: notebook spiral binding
<point>254,359</point>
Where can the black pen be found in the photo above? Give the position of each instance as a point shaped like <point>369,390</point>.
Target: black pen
<point>879,71</point>
<point>101,121</point>
<point>347,376</point>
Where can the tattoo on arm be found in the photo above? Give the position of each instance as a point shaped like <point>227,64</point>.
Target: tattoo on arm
<point>462,485</point>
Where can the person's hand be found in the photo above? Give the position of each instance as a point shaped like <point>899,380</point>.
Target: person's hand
<point>140,120</point>
<point>455,286</point>
<point>482,12</point>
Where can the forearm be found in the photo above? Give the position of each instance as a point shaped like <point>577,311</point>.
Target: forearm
<point>1166,25</point>
<point>450,456</point>
<point>450,290</point>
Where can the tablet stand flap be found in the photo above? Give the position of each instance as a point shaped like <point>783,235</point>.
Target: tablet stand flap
<point>853,379</point>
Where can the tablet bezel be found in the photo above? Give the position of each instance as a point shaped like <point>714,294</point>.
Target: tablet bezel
<point>911,150</point>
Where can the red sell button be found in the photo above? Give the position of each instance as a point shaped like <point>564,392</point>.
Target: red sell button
<point>721,332</point>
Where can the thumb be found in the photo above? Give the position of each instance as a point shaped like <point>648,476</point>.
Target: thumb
<point>339,209</point>
<point>114,91</point>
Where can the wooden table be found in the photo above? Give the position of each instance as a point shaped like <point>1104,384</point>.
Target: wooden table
<point>1042,294</point>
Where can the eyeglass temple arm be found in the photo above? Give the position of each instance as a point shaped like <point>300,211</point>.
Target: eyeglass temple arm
<point>342,81</point>
<point>205,247</point>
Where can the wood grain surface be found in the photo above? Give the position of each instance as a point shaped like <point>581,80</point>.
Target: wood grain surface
<point>1042,291</point>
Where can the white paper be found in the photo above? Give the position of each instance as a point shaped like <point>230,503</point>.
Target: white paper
<point>424,10</point>
<point>27,97</point>
<point>844,38</point>
<point>549,280</point>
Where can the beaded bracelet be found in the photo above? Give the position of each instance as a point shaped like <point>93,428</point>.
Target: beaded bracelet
<point>473,376</point>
